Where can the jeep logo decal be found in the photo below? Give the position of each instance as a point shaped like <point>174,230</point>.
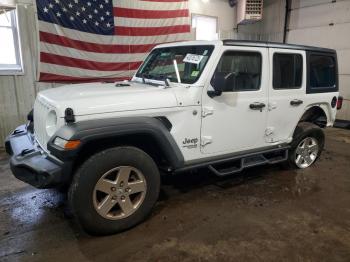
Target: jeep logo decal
<point>190,143</point>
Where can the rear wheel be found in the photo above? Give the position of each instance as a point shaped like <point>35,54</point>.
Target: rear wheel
<point>114,190</point>
<point>307,145</point>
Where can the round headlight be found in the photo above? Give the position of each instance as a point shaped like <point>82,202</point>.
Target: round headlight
<point>51,123</point>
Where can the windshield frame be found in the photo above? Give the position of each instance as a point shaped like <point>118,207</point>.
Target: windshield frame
<point>143,76</point>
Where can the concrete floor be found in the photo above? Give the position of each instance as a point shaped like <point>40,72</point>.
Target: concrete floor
<point>264,214</point>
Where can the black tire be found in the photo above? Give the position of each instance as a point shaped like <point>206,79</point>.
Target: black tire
<point>81,191</point>
<point>302,131</point>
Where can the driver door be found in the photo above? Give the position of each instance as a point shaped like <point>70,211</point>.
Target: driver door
<point>236,120</point>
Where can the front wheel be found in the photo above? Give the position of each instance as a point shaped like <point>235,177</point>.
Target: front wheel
<point>114,190</point>
<point>307,145</point>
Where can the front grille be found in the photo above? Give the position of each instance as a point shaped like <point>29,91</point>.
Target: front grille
<point>41,110</point>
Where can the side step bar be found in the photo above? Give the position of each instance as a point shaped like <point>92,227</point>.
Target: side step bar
<point>232,164</point>
<point>232,167</point>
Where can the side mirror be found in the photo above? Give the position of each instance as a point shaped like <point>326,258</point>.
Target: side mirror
<point>218,82</point>
<point>214,93</point>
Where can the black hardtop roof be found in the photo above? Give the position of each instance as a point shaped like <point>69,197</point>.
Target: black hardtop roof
<point>276,45</point>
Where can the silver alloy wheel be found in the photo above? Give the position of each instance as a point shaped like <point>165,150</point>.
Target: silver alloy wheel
<point>119,192</point>
<point>306,152</point>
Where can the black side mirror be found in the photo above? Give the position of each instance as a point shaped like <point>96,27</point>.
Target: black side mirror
<point>214,93</point>
<point>218,82</point>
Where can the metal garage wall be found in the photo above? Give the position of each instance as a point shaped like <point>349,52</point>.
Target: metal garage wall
<point>17,93</point>
<point>325,23</point>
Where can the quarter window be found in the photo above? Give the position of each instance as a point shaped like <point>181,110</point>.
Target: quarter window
<point>238,71</point>
<point>287,71</point>
<point>322,72</point>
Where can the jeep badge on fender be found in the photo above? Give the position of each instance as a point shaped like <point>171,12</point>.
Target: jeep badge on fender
<point>199,104</point>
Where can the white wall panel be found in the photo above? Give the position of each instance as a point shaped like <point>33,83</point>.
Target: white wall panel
<point>320,15</point>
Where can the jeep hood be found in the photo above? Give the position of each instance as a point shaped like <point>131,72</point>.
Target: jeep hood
<point>97,98</point>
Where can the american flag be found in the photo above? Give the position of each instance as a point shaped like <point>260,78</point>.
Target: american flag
<point>104,40</point>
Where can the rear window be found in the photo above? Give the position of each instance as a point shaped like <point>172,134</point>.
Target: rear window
<point>323,73</point>
<point>287,71</point>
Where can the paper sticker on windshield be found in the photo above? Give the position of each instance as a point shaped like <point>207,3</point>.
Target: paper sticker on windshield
<point>195,73</point>
<point>193,59</point>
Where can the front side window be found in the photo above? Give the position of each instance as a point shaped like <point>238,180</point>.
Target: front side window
<point>190,61</point>
<point>287,71</point>
<point>238,71</point>
<point>10,55</point>
<point>322,72</point>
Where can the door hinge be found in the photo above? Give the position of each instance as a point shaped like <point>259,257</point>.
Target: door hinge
<point>207,111</point>
<point>205,140</point>
<point>269,131</point>
<point>272,106</point>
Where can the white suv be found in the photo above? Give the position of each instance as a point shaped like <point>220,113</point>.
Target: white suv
<point>224,105</point>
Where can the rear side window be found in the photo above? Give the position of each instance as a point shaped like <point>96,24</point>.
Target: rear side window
<point>323,73</point>
<point>287,71</point>
<point>238,71</point>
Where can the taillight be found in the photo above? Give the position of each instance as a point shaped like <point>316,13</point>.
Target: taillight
<point>340,102</point>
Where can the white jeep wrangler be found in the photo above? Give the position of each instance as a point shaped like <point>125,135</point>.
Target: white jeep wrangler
<point>224,105</point>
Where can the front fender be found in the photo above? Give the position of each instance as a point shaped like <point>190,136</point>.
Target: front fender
<point>92,130</point>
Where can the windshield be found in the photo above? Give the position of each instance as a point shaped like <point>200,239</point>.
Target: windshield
<point>190,60</point>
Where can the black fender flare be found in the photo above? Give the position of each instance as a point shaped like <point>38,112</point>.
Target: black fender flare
<point>92,130</point>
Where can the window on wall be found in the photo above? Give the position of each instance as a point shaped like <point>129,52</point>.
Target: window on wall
<point>238,71</point>
<point>10,54</point>
<point>205,26</point>
<point>287,71</point>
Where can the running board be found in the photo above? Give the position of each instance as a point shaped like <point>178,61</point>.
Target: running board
<point>237,165</point>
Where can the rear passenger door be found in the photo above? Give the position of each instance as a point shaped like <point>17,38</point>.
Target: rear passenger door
<point>286,95</point>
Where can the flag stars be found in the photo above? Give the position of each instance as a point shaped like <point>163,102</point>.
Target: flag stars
<point>71,18</point>
<point>45,9</point>
<point>50,5</point>
<point>107,13</point>
<point>70,5</point>
<point>64,9</point>
<point>57,1</point>
<point>101,6</point>
<point>95,11</point>
<point>58,14</point>
<point>97,23</point>
<point>106,1</point>
<point>83,9</point>
<point>84,21</point>
<point>77,13</point>
<point>89,3</point>
<point>90,16</point>
<point>108,25</point>
<point>102,18</point>
<point>76,1</point>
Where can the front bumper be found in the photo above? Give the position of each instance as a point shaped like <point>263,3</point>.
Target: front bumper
<point>29,163</point>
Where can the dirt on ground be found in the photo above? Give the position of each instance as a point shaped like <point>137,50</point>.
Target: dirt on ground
<point>266,213</point>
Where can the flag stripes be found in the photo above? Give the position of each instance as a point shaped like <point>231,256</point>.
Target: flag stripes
<point>86,41</point>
